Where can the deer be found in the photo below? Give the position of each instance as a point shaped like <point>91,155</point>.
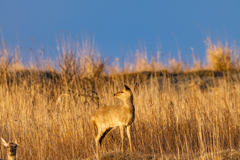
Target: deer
<point>11,148</point>
<point>108,117</point>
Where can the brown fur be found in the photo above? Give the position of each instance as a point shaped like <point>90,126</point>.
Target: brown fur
<point>108,117</point>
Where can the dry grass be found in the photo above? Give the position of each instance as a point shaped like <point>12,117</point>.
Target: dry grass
<point>52,114</point>
<point>221,57</point>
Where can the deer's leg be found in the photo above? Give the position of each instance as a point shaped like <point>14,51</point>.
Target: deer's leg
<point>129,137</point>
<point>97,139</point>
<point>104,134</point>
<point>122,135</point>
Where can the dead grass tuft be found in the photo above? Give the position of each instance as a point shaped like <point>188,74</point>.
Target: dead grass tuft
<point>220,57</point>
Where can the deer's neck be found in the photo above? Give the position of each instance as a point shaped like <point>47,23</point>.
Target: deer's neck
<point>11,157</point>
<point>128,104</point>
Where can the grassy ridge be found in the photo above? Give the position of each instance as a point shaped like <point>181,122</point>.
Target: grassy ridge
<point>202,78</point>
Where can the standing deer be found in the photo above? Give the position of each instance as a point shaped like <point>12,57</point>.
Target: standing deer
<point>108,117</point>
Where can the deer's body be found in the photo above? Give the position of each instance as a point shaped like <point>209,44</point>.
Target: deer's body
<point>109,117</point>
<point>11,149</point>
<point>112,116</point>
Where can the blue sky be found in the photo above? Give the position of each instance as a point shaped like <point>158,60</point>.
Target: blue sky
<point>122,24</point>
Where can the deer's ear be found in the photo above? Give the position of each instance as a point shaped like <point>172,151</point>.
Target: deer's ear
<point>127,88</point>
<point>18,141</point>
<point>4,142</point>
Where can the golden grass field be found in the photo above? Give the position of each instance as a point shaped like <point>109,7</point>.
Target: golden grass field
<point>181,112</point>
